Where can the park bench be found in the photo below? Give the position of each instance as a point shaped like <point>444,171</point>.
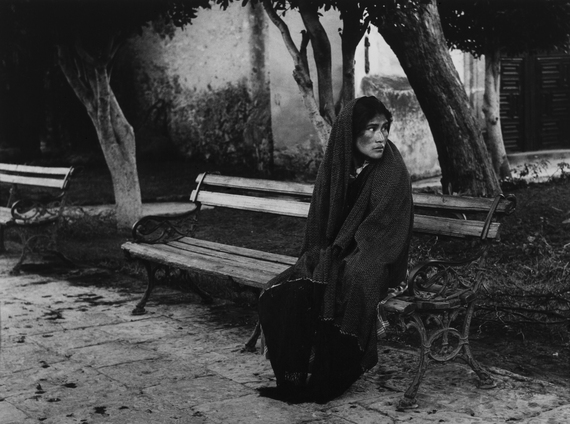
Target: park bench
<point>435,293</point>
<point>36,197</point>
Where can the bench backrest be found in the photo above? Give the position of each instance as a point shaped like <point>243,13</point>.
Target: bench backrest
<point>454,216</point>
<point>38,176</point>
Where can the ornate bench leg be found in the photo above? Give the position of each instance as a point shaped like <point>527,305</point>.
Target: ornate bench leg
<point>2,246</point>
<point>409,399</point>
<point>486,381</point>
<point>151,274</point>
<point>206,297</point>
<point>250,344</point>
<point>18,266</point>
<point>26,248</point>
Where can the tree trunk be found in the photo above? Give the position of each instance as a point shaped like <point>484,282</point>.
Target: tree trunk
<point>257,132</point>
<point>353,29</point>
<point>416,37</point>
<point>491,109</point>
<point>322,54</point>
<point>90,81</point>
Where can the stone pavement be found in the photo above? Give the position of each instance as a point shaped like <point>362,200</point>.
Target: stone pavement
<point>71,352</point>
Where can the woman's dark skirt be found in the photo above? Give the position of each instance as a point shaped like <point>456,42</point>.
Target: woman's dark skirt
<point>311,359</point>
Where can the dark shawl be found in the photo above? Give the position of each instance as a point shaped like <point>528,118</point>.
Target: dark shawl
<point>358,256</point>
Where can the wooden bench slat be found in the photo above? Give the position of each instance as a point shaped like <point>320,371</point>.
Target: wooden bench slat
<point>169,256</point>
<point>29,169</point>
<point>255,204</point>
<point>34,181</point>
<point>422,223</point>
<point>285,187</point>
<point>425,200</point>
<point>5,216</point>
<point>459,203</point>
<point>243,251</point>
<point>400,306</point>
<point>41,211</point>
<point>246,261</point>
<point>453,227</point>
<point>269,270</point>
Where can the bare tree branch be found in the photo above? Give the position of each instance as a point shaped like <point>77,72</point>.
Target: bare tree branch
<point>301,75</point>
<point>305,40</point>
<point>124,132</point>
<point>283,28</point>
<point>322,52</point>
<point>355,25</point>
<point>73,75</point>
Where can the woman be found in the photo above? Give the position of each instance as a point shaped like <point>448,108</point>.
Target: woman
<point>319,316</point>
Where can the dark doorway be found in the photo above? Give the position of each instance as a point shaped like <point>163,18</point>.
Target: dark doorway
<point>535,102</point>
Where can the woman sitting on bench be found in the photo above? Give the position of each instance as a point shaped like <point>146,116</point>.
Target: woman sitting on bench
<point>319,317</point>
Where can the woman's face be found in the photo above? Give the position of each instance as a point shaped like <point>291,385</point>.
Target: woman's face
<point>372,141</point>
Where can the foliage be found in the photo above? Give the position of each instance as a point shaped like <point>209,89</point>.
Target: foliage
<point>514,26</point>
<point>535,172</point>
<point>526,278</point>
<point>530,170</point>
<point>217,119</point>
<point>63,21</point>
<point>302,160</point>
<point>533,292</point>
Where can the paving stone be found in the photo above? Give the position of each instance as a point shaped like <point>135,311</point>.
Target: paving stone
<point>186,312</point>
<point>354,412</point>
<point>187,393</point>
<point>244,368</point>
<point>26,323</point>
<point>386,405</point>
<point>26,381</point>
<point>78,318</point>
<point>46,291</point>
<point>201,348</point>
<point>64,340</point>
<point>9,414</point>
<point>23,280</point>
<point>253,409</point>
<point>111,353</point>
<point>18,357</point>
<point>63,394</point>
<point>130,410</point>
<point>144,330</point>
<point>331,420</point>
<point>148,373</point>
<point>552,416</point>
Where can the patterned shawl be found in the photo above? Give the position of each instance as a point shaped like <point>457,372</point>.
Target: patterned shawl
<point>360,256</point>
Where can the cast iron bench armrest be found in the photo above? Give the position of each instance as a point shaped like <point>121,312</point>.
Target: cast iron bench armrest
<point>35,206</point>
<point>154,229</point>
<point>37,211</point>
<point>420,281</point>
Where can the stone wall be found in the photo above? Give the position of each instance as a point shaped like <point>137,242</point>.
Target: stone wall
<point>180,84</point>
<point>410,130</point>
<point>194,91</point>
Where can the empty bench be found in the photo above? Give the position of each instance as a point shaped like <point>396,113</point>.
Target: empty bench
<point>36,197</point>
<point>434,293</point>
